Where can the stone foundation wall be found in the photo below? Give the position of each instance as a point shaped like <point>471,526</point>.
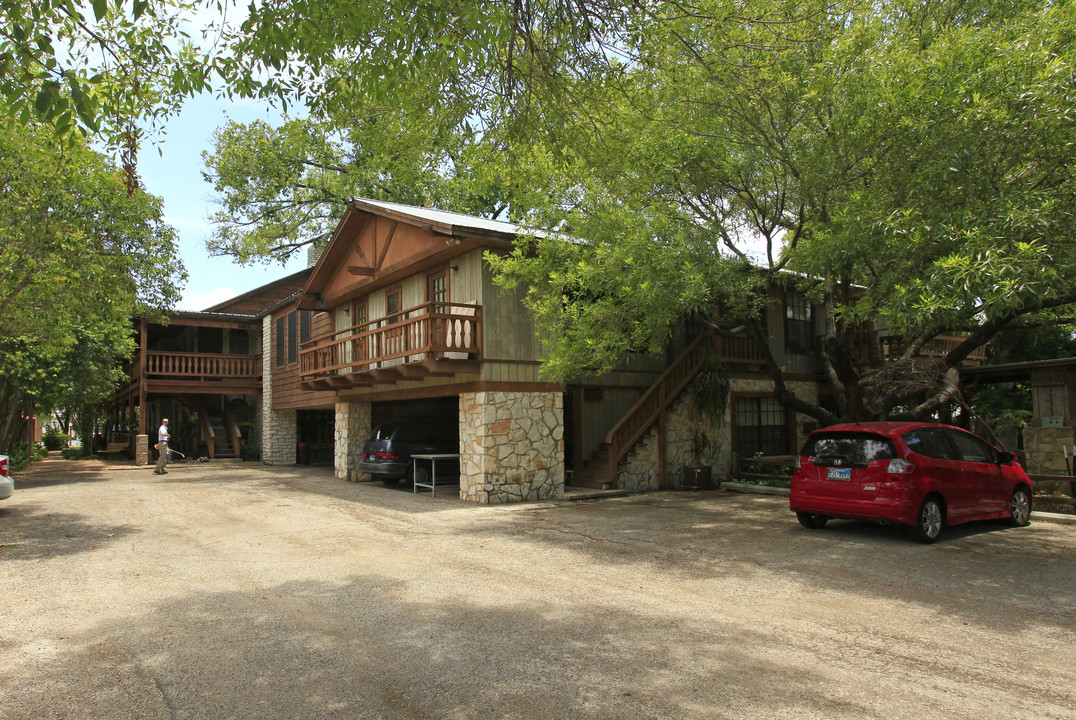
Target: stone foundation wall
<point>638,472</point>
<point>1043,449</point>
<point>511,446</point>
<point>353,426</point>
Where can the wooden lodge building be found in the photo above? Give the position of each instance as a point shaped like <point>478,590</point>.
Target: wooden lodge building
<point>400,317</point>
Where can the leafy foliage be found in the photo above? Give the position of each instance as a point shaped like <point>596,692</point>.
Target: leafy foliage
<point>80,257</point>
<point>98,69</point>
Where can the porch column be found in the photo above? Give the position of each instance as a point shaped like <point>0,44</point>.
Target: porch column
<point>511,446</point>
<point>142,450</point>
<point>353,426</point>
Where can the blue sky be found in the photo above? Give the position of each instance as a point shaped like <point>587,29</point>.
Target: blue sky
<point>176,176</point>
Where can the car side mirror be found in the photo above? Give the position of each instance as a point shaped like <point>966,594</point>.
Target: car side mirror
<point>1005,458</point>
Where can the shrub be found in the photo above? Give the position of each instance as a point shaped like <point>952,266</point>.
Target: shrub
<point>55,440</point>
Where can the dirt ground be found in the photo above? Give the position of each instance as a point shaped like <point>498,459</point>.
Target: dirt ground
<point>243,591</point>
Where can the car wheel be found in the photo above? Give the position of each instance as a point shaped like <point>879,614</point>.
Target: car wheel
<point>929,522</point>
<point>1020,507</point>
<point>420,474</point>
<point>812,521</point>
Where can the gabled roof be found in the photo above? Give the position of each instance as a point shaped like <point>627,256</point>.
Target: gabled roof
<point>440,221</point>
<point>370,247</point>
<point>266,297</point>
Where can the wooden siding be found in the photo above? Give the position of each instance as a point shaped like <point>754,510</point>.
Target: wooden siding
<point>286,391</point>
<point>1052,394</point>
<point>509,332</point>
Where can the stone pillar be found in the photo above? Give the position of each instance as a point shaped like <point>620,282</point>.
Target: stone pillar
<point>511,446</point>
<point>142,450</point>
<point>279,430</point>
<point>353,426</point>
<point>279,437</point>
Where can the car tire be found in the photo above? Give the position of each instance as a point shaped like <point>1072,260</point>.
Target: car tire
<point>929,521</point>
<point>1020,507</point>
<point>422,475</point>
<point>811,520</point>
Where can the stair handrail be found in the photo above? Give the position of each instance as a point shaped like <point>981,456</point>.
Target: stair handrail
<point>648,408</point>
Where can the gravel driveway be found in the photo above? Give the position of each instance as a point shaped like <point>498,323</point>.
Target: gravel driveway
<point>241,591</point>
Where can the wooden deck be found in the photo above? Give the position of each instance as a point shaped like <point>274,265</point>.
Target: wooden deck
<point>430,339</point>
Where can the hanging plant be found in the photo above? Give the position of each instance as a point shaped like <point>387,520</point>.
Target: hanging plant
<point>708,396</point>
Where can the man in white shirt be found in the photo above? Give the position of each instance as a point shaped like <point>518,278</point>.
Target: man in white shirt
<point>162,445</point>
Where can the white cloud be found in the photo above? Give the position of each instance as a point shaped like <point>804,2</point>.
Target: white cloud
<point>197,301</point>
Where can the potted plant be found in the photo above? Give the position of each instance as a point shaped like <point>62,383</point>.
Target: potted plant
<point>698,473</point>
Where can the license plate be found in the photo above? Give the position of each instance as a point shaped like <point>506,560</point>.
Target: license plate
<point>839,474</point>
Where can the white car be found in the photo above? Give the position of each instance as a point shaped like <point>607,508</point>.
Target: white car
<point>7,485</point>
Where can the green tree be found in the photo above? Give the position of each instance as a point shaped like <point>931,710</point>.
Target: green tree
<point>80,256</point>
<point>910,162</point>
<point>912,165</point>
<point>108,66</point>
<point>284,188</point>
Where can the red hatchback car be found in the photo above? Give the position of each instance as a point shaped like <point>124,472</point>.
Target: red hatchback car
<point>922,475</point>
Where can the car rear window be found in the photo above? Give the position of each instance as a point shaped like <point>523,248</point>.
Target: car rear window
<point>384,431</point>
<point>848,449</point>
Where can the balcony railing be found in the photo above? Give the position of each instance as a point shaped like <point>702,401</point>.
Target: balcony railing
<point>204,366</point>
<point>937,348</point>
<point>433,331</point>
<point>738,349</point>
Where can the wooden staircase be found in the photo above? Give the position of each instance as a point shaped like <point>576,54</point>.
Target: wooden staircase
<point>600,470</point>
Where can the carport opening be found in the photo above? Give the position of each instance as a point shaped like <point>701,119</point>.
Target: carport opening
<point>435,430</point>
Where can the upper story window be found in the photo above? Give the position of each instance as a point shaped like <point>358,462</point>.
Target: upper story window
<point>799,324</point>
<point>437,289</point>
<point>392,305</point>
<point>291,330</point>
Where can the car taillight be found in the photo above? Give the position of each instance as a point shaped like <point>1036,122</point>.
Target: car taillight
<point>386,456</point>
<point>3,467</point>
<point>898,469</point>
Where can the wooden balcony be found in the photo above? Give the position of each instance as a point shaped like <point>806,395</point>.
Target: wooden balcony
<point>200,372</point>
<point>430,339</point>
<point>739,349</point>
<point>937,348</point>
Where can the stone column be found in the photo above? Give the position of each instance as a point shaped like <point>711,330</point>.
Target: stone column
<point>511,446</point>
<point>142,450</point>
<point>353,426</point>
<point>279,430</point>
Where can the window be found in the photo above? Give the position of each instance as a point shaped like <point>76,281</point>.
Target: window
<point>304,326</point>
<point>971,448</point>
<point>291,329</point>
<point>848,448</point>
<point>929,442</point>
<point>392,306</point>
<point>799,326</point>
<point>293,354</point>
<point>761,427</point>
<point>281,341</point>
<point>437,290</point>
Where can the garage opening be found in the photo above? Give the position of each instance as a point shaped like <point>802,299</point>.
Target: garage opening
<point>404,429</point>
